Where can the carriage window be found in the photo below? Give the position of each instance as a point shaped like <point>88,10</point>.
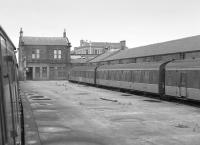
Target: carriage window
<point>132,76</point>
<point>192,81</point>
<point>146,76</point>
<point>2,42</point>
<point>137,76</point>
<point>122,76</point>
<point>108,75</point>
<point>172,77</point>
<point>154,76</point>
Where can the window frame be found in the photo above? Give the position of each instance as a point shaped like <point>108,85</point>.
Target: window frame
<point>57,54</point>
<point>35,53</point>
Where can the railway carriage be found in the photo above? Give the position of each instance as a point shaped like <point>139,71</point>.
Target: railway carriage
<point>183,79</point>
<point>10,107</point>
<point>134,76</point>
<point>180,78</point>
<point>84,74</point>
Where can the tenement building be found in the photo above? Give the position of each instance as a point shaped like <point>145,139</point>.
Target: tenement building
<point>43,58</point>
<point>96,48</point>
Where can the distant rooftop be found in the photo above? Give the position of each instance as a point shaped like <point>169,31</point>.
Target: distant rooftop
<point>109,45</point>
<point>27,40</point>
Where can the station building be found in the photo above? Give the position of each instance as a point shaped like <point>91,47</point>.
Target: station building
<point>43,58</point>
<point>185,48</point>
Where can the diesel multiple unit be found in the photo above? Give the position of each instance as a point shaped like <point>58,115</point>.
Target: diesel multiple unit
<point>170,78</point>
<point>10,103</point>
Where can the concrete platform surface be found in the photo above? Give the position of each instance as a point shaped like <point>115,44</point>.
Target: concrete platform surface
<point>72,114</point>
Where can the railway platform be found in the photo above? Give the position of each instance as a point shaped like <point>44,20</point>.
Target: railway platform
<point>64,113</point>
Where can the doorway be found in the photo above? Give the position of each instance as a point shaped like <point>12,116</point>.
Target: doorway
<point>183,85</point>
<point>29,73</point>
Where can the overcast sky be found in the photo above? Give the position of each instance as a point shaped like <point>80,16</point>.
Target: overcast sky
<point>139,22</point>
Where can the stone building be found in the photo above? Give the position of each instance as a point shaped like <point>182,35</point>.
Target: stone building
<point>96,48</point>
<point>43,58</point>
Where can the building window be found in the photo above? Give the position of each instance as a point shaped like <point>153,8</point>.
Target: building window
<point>33,54</point>
<point>36,54</point>
<point>182,56</point>
<point>57,54</point>
<point>86,51</point>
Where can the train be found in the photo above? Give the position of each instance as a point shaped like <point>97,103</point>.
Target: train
<point>11,111</point>
<point>170,79</point>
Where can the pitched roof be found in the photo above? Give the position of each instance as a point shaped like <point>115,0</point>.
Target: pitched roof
<point>44,40</point>
<point>103,56</point>
<point>78,60</point>
<point>174,46</point>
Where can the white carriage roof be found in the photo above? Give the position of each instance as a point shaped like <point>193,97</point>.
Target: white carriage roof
<point>146,65</point>
<point>5,34</point>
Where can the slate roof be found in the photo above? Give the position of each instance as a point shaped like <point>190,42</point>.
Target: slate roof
<point>104,56</point>
<point>27,40</point>
<point>103,44</point>
<point>78,60</point>
<point>179,64</point>
<point>169,47</point>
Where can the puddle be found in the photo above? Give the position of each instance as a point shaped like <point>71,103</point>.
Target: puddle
<point>32,97</point>
<point>30,94</point>
<point>81,94</point>
<point>101,108</point>
<point>45,104</point>
<point>40,104</point>
<point>127,118</point>
<point>153,101</point>
<point>126,95</point>
<point>45,110</point>
<point>53,129</point>
<point>32,141</point>
<point>40,99</point>
<point>181,126</point>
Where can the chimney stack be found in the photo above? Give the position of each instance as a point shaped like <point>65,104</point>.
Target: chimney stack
<point>123,44</point>
<point>21,32</point>
<point>64,34</point>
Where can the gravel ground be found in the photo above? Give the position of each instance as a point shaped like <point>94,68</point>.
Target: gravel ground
<point>74,114</point>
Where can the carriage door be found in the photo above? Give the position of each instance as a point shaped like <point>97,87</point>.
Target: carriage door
<point>183,84</point>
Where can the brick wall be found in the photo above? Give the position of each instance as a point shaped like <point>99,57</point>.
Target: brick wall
<point>57,69</point>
